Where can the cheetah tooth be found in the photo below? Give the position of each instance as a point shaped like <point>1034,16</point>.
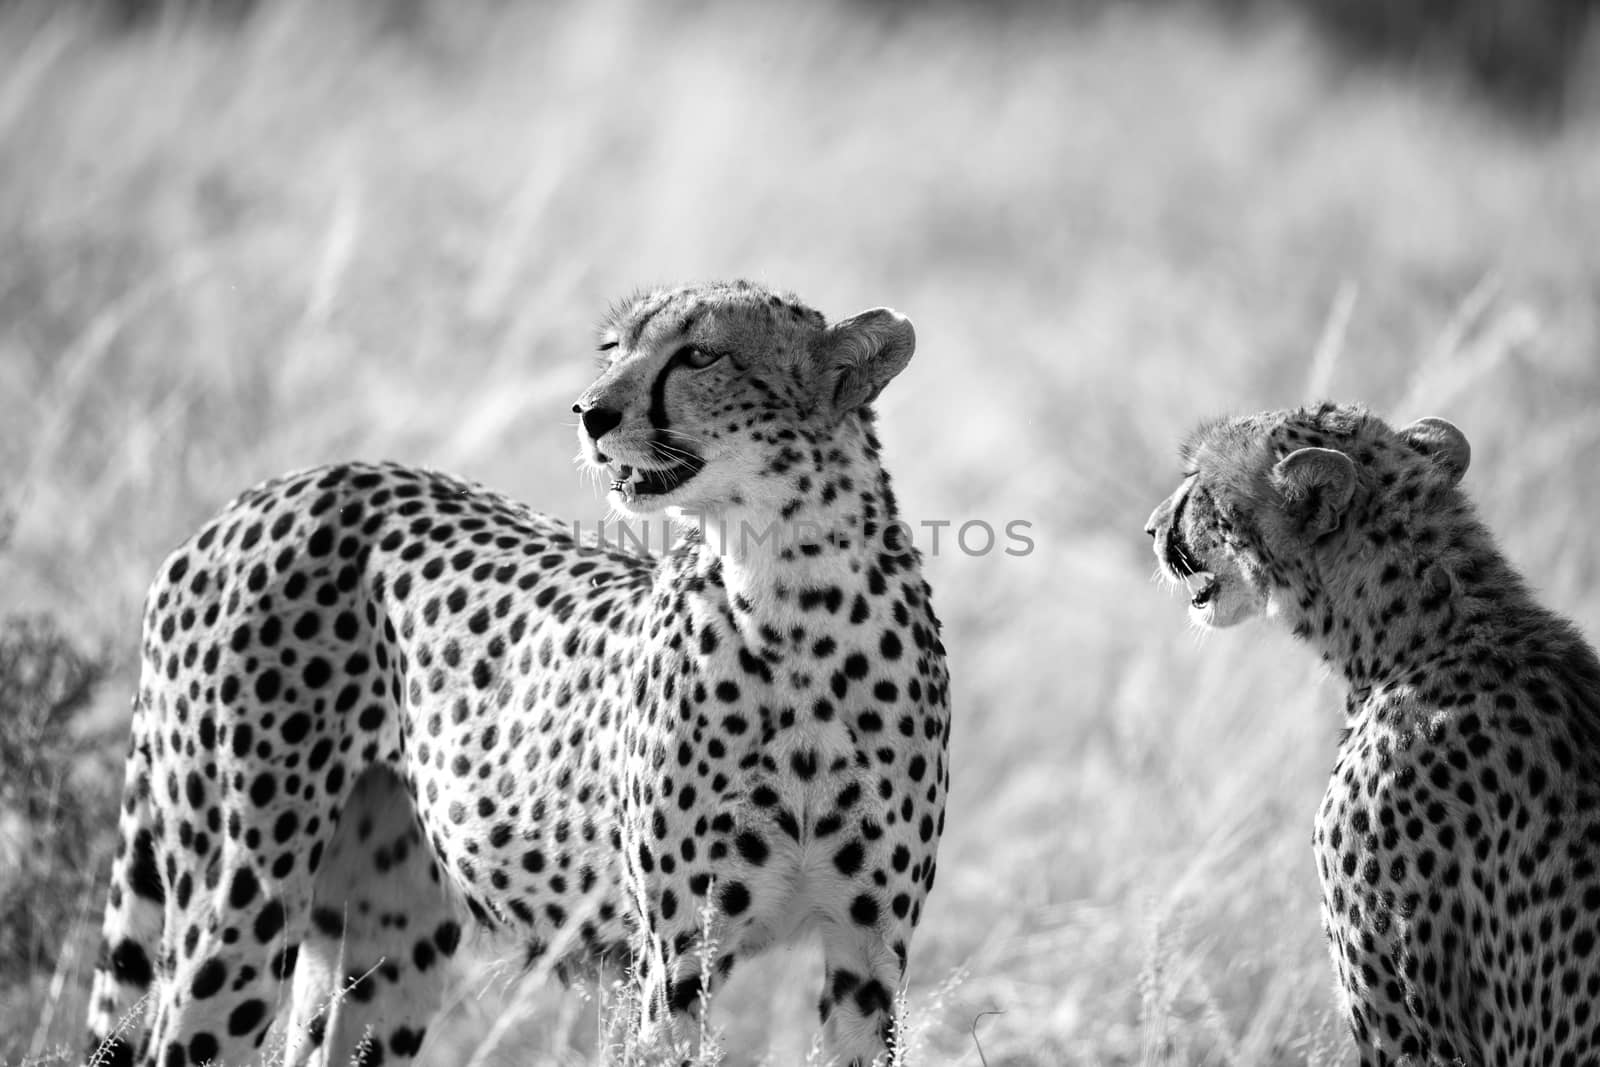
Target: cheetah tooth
<point>1199,581</point>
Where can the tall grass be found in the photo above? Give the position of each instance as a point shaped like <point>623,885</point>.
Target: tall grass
<point>230,253</point>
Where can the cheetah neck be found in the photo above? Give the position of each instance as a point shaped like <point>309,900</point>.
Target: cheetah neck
<point>1400,607</point>
<point>821,546</point>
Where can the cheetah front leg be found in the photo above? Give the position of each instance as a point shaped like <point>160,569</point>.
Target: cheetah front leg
<point>869,883</point>
<point>861,982</point>
<point>868,917</point>
<point>371,968</point>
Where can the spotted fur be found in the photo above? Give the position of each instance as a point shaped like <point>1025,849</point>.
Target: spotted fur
<point>378,701</point>
<point>1459,840</point>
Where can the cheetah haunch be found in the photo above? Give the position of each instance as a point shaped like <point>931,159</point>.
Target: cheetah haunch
<point>1459,839</point>
<point>375,697</point>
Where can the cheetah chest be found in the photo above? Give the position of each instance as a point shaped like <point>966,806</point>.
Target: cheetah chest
<point>801,760</point>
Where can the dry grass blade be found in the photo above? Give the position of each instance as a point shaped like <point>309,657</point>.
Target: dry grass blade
<point>1331,342</point>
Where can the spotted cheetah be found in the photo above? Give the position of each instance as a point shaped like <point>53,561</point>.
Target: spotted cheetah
<point>1459,840</point>
<point>377,700</point>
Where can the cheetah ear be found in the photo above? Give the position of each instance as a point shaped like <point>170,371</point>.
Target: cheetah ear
<point>1317,485</point>
<point>1441,442</point>
<point>859,355</point>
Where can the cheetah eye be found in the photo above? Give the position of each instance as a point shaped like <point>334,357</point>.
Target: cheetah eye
<point>696,357</point>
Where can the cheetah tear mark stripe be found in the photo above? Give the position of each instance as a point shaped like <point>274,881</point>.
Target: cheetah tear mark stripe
<point>658,390</point>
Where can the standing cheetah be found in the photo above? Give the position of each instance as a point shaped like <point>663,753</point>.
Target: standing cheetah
<point>1459,839</point>
<point>375,698</point>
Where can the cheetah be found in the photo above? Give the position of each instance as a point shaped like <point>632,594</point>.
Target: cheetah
<point>1458,843</point>
<point>378,703</point>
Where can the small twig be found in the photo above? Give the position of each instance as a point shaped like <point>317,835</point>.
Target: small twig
<point>974,1028</point>
<point>101,1056</point>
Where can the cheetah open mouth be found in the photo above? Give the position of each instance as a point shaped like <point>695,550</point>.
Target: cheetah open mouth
<point>1183,566</point>
<point>635,482</point>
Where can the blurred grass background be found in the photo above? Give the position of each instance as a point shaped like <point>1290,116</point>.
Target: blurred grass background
<point>237,239</point>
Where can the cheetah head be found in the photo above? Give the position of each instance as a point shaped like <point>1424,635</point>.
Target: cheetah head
<point>1266,501</point>
<point>710,397</point>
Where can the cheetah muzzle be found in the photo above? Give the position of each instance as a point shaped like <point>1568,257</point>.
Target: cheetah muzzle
<point>1180,566</point>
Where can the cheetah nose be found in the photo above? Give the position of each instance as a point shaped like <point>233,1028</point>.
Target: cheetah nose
<point>1153,523</point>
<point>600,421</point>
